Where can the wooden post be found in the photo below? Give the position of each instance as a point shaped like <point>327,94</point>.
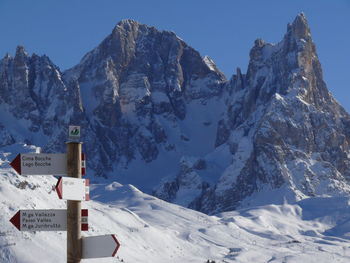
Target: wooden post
<point>74,250</point>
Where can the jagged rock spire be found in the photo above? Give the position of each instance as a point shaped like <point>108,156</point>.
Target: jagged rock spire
<point>127,22</point>
<point>299,28</point>
<point>20,51</point>
<point>21,56</point>
<point>282,128</point>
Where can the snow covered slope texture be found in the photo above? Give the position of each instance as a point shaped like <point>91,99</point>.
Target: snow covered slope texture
<point>282,126</point>
<point>153,231</point>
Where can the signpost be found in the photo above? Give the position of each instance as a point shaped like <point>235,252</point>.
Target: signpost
<point>73,189</point>
<point>74,207</point>
<point>44,220</point>
<point>100,246</point>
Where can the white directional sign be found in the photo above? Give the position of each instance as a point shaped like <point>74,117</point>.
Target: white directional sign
<point>69,188</point>
<point>40,164</point>
<point>40,220</point>
<point>100,246</point>
<point>45,220</point>
<point>43,164</point>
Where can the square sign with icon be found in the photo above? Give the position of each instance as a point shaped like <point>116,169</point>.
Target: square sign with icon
<point>74,133</point>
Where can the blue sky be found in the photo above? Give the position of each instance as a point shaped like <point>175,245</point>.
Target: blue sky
<point>224,29</point>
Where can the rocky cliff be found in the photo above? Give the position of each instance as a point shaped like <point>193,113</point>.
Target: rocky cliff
<point>283,129</point>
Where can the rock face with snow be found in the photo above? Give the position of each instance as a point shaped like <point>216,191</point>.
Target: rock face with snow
<point>33,97</point>
<point>129,94</point>
<point>137,81</point>
<point>153,110</point>
<point>282,126</point>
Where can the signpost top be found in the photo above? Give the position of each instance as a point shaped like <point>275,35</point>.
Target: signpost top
<point>74,133</point>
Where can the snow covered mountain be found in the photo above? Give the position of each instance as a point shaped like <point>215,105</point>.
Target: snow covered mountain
<point>140,90</point>
<point>34,100</point>
<point>156,114</point>
<point>271,144</point>
<point>285,133</point>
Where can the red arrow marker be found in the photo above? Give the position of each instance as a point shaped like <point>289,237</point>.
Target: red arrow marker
<point>16,220</point>
<point>117,246</point>
<point>59,188</point>
<point>16,164</point>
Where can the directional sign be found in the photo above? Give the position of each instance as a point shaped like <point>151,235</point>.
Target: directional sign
<point>45,220</point>
<point>40,164</point>
<point>100,246</point>
<point>69,188</point>
<point>43,164</point>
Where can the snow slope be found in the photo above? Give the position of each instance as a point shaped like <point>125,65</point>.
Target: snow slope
<point>152,230</point>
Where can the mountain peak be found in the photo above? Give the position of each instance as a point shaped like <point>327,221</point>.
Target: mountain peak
<point>259,42</point>
<point>126,25</point>
<point>299,28</point>
<point>7,56</point>
<point>20,51</point>
<point>127,21</point>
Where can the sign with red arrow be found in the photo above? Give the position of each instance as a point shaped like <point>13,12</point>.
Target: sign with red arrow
<point>43,164</point>
<point>40,164</point>
<point>100,246</point>
<point>45,220</point>
<point>69,188</point>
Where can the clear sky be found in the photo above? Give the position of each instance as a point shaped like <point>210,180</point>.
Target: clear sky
<point>223,29</point>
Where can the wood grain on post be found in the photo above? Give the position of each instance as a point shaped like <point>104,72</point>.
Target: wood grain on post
<point>74,250</point>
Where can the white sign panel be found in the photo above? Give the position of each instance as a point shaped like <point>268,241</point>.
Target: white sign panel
<point>40,164</point>
<point>45,220</point>
<point>73,189</point>
<point>100,246</point>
